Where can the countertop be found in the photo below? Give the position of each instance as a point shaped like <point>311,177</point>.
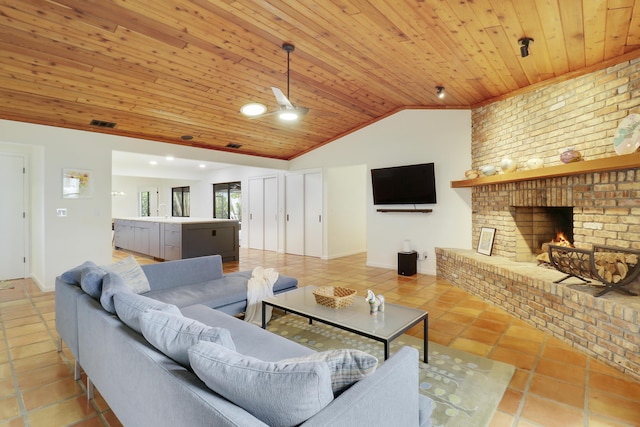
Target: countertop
<point>175,220</point>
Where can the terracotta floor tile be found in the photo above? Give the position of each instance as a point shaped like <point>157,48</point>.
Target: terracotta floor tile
<point>441,338</point>
<point>515,358</point>
<point>490,325</point>
<point>44,375</point>
<point>526,332</point>
<point>62,413</point>
<point>51,393</point>
<point>111,419</point>
<point>6,388</point>
<point>520,379</point>
<point>445,326</point>
<point>481,335</point>
<point>558,391</point>
<point>471,346</point>
<point>460,319</point>
<point>15,422</point>
<point>598,421</point>
<point>624,387</point>
<point>9,408</point>
<point>520,344</point>
<point>562,371</point>
<point>32,349</point>
<point>40,361</point>
<point>548,413</point>
<point>564,354</point>
<point>90,422</point>
<point>29,339</point>
<point>614,407</point>
<point>5,370</point>
<point>510,401</point>
<point>500,419</point>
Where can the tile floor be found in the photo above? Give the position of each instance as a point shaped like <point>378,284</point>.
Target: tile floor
<point>553,384</point>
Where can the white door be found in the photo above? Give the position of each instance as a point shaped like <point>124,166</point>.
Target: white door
<point>256,213</point>
<point>271,214</point>
<point>313,214</point>
<point>294,216</point>
<point>12,218</point>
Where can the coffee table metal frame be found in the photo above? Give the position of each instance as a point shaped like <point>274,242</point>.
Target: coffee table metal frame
<point>355,318</point>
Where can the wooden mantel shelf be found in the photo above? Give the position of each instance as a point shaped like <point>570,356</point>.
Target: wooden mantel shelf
<point>627,161</point>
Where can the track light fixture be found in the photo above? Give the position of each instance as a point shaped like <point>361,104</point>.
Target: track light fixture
<point>440,91</point>
<point>524,46</point>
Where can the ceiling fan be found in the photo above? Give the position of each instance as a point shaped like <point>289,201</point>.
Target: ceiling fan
<point>287,111</point>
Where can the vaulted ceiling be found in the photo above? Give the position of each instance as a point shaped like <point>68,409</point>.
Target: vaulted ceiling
<point>163,69</point>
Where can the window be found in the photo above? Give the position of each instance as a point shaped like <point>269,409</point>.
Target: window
<point>180,203</point>
<point>145,209</point>
<point>227,198</point>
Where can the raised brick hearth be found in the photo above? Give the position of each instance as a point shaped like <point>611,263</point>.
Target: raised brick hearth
<point>607,328</point>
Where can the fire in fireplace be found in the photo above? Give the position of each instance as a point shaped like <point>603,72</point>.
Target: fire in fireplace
<point>538,226</point>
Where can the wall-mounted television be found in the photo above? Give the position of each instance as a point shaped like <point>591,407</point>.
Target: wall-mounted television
<point>404,185</point>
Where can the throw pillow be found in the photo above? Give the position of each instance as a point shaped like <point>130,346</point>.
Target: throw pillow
<point>347,366</point>
<point>74,275</point>
<point>130,306</point>
<point>91,281</point>
<point>278,394</point>
<point>111,284</point>
<point>132,274</point>
<point>173,335</point>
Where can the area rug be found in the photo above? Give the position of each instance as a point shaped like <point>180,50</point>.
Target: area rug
<point>465,388</point>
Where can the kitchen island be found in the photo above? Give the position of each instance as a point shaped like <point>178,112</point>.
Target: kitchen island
<point>178,237</point>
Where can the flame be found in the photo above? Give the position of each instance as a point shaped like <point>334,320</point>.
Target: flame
<point>561,239</point>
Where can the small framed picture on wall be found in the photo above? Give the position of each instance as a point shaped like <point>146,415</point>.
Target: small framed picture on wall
<point>485,242</point>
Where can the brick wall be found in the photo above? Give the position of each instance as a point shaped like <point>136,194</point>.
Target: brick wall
<point>583,113</point>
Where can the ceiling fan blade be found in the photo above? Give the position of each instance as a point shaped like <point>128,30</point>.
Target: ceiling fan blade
<point>282,100</point>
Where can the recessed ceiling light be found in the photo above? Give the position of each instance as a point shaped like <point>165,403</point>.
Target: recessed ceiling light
<point>253,109</point>
<point>186,137</point>
<point>202,166</point>
<point>170,158</point>
<point>153,162</point>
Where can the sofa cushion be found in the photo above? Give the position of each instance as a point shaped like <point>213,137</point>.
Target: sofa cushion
<point>112,283</point>
<point>91,281</point>
<point>347,366</point>
<point>130,306</point>
<point>74,275</point>
<point>132,274</point>
<point>278,394</point>
<point>173,335</point>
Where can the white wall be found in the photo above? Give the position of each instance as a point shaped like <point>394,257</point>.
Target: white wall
<point>345,210</point>
<point>409,137</point>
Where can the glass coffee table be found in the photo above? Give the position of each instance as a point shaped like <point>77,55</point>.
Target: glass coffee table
<point>384,327</point>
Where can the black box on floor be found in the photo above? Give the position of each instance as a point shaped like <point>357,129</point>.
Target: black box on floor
<point>407,263</point>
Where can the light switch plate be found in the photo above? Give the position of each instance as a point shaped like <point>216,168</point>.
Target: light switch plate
<point>61,212</point>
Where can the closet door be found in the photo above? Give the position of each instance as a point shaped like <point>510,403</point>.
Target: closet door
<point>313,214</point>
<point>294,216</point>
<point>270,214</point>
<point>12,218</point>
<point>256,213</point>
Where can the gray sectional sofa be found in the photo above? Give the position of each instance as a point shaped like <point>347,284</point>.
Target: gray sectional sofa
<point>143,386</point>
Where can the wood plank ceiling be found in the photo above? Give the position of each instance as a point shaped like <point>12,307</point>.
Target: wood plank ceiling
<point>161,69</point>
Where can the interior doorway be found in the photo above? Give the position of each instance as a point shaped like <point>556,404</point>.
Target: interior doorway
<point>13,259</point>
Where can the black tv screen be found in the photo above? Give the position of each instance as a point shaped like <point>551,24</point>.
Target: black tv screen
<point>403,185</point>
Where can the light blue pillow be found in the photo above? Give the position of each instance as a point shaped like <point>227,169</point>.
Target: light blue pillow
<point>112,283</point>
<point>91,281</point>
<point>347,366</point>
<point>173,335</point>
<point>130,306</point>
<point>279,394</point>
<point>132,274</point>
<point>74,275</point>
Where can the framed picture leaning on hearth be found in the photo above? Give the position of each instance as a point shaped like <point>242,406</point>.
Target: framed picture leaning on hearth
<point>485,242</point>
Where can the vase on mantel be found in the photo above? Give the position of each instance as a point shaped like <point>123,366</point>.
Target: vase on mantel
<point>569,155</point>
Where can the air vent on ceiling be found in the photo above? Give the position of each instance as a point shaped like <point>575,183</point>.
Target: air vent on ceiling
<point>102,124</point>
<point>232,145</point>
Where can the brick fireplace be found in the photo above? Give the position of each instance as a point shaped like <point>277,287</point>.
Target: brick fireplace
<point>601,208</point>
<point>582,112</point>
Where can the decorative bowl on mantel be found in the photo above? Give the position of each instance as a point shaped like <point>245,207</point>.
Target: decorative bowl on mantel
<point>569,155</point>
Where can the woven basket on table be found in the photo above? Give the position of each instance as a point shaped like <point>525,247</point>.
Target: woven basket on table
<point>334,296</point>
